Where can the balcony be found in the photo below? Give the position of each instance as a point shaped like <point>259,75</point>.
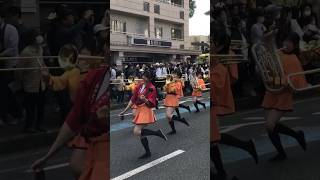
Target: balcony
<point>131,39</point>
<point>178,3</point>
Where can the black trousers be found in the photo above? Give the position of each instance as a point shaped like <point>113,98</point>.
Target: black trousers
<point>8,101</point>
<point>34,105</point>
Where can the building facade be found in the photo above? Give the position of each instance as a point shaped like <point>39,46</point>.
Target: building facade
<point>144,31</point>
<point>201,43</point>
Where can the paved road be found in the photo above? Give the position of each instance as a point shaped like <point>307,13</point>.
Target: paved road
<point>183,156</point>
<point>16,166</point>
<point>299,166</point>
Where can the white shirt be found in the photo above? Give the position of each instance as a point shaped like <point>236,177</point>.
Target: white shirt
<point>158,72</point>
<point>113,74</point>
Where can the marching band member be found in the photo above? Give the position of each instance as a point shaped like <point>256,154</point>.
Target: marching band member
<point>277,104</point>
<point>70,79</point>
<point>171,102</point>
<point>132,88</point>
<point>223,104</point>
<point>145,99</point>
<point>88,119</point>
<point>198,85</point>
<point>180,85</point>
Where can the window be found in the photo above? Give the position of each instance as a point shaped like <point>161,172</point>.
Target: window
<point>157,9</point>
<point>181,14</point>
<point>118,26</point>
<point>146,6</point>
<point>181,46</point>
<point>176,33</point>
<point>158,32</point>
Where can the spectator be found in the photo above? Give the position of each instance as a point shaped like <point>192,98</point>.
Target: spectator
<point>120,87</point>
<point>101,34</point>
<point>13,17</point>
<point>311,31</point>
<point>113,72</point>
<point>258,29</point>
<point>67,32</point>
<point>9,47</point>
<point>32,82</point>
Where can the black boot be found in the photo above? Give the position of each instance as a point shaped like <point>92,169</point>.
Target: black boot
<point>145,144</point>
<point>298,135</point>
<point>197,108</point>
<point>182,120</point>
<point>276,141</point>
<point>178,112</point>
<point>185,107</point>
<point>244,145</point>
<point>148,132</point>
<point>202,104</point>
<point>173,131</point>
<point>215,157</point>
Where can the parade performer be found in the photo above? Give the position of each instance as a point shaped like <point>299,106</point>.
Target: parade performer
<point>132,88</point>
<point>70,79</point>
<point>171,102</point>
<point>222,104</point>
<point>198,85</point>
<point>180,85</point>
<point>88,125</point>
<point>277,104</point>
<point>145,99</point>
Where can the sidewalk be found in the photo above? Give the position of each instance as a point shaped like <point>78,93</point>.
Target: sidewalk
<point>12,140</point>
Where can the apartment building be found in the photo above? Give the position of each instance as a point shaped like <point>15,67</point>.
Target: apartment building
<point>200,42</point>
<point>144,31</point>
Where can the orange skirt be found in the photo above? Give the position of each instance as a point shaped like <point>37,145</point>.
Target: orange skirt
<point>282,101</point>
<point>215,133</point>
<point>144,115</point>
<point>196,93</point>
<point>97,159</point>
<point>78,142</point>
<point>171,100</point>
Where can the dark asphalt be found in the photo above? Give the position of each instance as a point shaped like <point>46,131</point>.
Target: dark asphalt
<point>300,165</point>
<point>15,166</point>
<point>193,164</point>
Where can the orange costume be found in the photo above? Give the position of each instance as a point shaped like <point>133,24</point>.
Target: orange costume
<point>144,113</point>
<point>283,101</point>
<point>197,92</point>
<point>233,70</point>
<point>179,86</point>
<point>171,99</point>
<point>133,86</point>
<point>93,131</point>
<point>222,97</point>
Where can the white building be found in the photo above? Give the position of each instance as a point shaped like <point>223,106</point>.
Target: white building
<point>149,31</point>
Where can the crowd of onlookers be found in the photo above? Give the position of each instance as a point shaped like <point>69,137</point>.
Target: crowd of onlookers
<point>250,24</point>
<point>23,93</point>
<point>159,70</point>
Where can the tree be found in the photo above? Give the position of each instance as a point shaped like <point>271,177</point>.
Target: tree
<point>192,6</point>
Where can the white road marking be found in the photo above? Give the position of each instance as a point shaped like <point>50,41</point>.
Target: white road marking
<point>51,167</point>
<point>316,113</point>
<point>149,165</point>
